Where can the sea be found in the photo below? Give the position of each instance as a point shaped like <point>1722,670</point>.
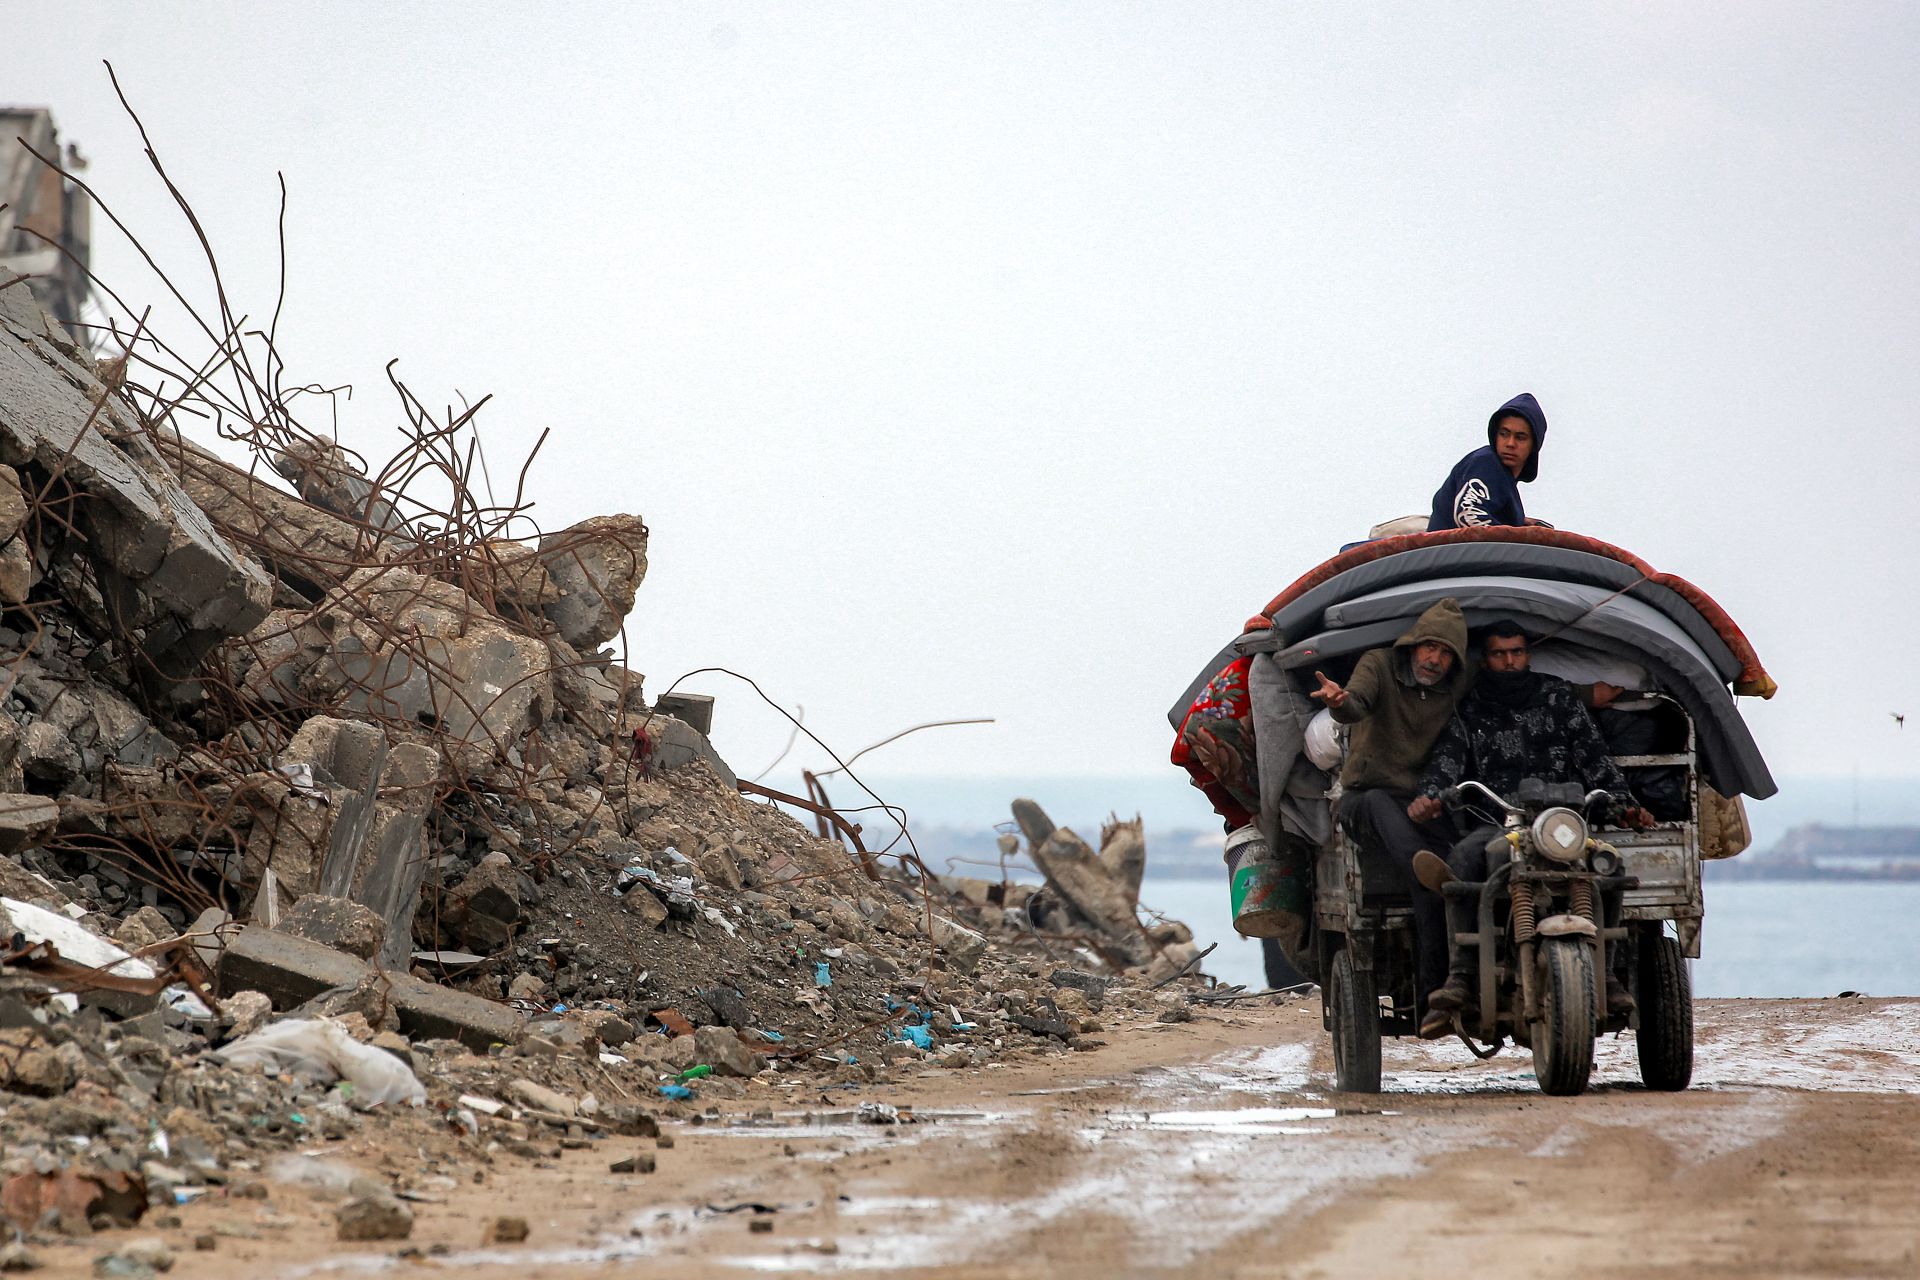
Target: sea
<point>1761,937</point>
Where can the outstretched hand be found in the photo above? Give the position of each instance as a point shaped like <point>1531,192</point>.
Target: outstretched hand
<point>1329,693</point>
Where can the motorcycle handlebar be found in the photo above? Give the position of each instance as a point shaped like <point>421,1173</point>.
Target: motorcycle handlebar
<point>1455,795</point>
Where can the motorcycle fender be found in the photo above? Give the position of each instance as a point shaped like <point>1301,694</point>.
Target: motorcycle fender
<point>1564,926</point>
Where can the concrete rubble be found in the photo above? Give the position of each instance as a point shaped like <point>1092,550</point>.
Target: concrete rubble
<point>312,753</point>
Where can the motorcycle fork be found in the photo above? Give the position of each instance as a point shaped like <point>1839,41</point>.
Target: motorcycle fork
<point>1583,901</point>
<point>1520,901</point>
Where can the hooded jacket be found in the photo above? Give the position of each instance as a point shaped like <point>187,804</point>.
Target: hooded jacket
<point>1480,490</point>
<point>1395,720</point>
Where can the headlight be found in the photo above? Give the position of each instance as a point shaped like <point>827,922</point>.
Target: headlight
<point>1560,834</point>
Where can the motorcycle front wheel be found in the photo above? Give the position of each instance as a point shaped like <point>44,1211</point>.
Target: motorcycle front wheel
<point>1563,1037</point>
<point>1354,1004</point>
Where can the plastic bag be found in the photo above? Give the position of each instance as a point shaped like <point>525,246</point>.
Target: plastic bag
<point>1325,741</point>
<point>322,1051</point>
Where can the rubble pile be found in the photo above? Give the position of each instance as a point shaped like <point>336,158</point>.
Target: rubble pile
<point>294,775</point>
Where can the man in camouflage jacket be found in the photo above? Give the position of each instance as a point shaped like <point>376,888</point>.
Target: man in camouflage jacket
<point>1513,724</point>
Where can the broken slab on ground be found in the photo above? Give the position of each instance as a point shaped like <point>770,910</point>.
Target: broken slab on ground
<point>292,970</point>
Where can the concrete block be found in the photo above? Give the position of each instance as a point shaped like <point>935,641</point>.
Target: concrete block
<point>428,1012</point>
<point>678,744</point>
<point>287,969</point>
<point>598,564</point>
<point>692,709</point>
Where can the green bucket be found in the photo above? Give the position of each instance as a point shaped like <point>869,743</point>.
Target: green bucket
<point>1254,885</point>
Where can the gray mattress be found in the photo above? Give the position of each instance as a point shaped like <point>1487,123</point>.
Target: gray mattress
<point>1575,594</point>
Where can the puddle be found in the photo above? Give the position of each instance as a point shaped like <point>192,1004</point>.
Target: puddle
<point>849,1124</point>
<point>1267,1120</point>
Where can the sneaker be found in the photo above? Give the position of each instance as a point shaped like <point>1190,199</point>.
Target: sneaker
<point>1437,1025</point>
<point>1431,870</point>
<point>1620,1002</point>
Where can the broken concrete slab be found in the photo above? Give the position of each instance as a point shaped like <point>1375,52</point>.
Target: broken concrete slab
<point>402,647</point>
<point>307,547</point>
<point>429,1012</point>
<point>287,969</point>
<point>17,570</point>
<point>677,744</point>
<point>726,1053</point>
<point>1077,874</point>
<point>598,564</point>
<point>292,970</point>
<point>157,557</point>
<point>100,725</point>
<point>316,811</point>
<point>392,861</point>
<point>327,476</point>
<point>1123,852</point>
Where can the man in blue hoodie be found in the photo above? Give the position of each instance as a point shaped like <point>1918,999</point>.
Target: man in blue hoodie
<point>1484,487</point>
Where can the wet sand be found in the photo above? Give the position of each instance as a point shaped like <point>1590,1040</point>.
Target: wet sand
<point>1216,1148</point>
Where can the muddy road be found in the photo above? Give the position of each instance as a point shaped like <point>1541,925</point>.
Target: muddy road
<point>1213,1147</point>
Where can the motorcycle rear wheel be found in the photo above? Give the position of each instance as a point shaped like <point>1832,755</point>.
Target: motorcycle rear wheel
<point>1563,1037</point>
<point>1355,1005</point>
<point>1665,1037</point>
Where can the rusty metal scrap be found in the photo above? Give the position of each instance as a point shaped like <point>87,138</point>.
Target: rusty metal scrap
<point>181,964</point>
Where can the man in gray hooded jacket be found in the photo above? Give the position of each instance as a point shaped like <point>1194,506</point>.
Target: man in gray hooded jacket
<point>1398,701</point>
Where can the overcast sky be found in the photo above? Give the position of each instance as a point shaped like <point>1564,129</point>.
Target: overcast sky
<point>1000,360</point>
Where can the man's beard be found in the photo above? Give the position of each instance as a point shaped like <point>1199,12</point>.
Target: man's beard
<point>1427,677</point>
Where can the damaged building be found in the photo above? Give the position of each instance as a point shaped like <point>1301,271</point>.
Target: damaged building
<point>45,217</point>
<point>296,768</point>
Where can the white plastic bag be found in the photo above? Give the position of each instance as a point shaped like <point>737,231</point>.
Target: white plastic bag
<point>1325,741</point>
<point>322,1051</point>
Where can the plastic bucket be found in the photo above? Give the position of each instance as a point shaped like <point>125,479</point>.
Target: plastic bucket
<point>1253,883</point>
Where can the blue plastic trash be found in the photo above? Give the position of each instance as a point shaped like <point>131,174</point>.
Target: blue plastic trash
<point>822,976</point>
<point>678,1092</point>
<point>920,1037</point>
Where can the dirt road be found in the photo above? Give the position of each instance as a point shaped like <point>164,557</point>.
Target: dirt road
<point>1216,1148</point>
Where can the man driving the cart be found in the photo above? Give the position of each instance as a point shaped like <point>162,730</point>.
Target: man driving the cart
<point>1398,700</point>
<point>1514,724</point>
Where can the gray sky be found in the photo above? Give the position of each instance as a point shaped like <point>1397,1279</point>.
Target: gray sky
<point>1001,360</point>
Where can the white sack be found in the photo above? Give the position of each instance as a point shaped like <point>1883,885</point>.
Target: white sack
<point>322,1051</point>
<point>1326,741</point>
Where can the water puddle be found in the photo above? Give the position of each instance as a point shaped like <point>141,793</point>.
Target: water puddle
<point>1242,1120</point>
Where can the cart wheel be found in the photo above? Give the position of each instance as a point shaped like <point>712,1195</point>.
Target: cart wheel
<point>1356,1026</point>
<point>1665,1037</point>
<point>1563,1037</point>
